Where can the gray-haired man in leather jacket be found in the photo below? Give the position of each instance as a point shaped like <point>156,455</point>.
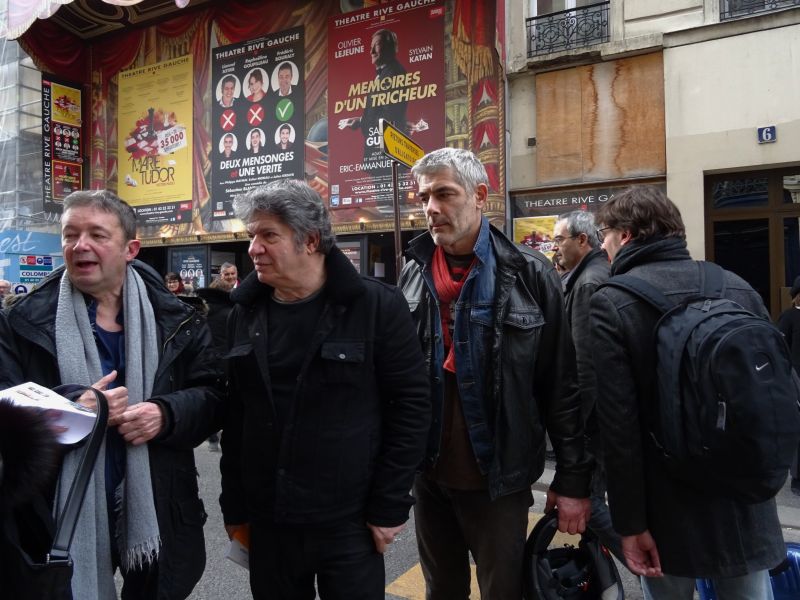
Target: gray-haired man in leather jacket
<point>490,318</point>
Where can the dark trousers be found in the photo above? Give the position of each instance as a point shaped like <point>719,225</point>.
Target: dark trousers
<point>451,524</point>
<point>284,560</point>
<point>600,519</point>
<point>140,584</point>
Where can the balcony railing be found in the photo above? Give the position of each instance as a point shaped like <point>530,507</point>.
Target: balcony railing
<point>734,9</point>
<point>568,29</point>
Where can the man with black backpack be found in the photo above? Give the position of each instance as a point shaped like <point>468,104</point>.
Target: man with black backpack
<point>690,489</point>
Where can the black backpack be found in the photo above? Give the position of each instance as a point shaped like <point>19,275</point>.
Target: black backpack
<point>727,413</point>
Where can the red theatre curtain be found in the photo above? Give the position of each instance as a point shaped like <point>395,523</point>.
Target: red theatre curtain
<point>473,37</point>
<point>116,53</point>
<point>68,62</point>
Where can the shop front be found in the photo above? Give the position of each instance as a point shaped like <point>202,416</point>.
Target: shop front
<point>178,111</point>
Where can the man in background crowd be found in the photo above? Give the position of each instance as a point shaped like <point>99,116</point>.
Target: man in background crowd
<point>585,267</point>
<point>218,304</point>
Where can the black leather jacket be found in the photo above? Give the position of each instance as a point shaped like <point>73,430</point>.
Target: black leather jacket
<point>185,387</point>
<point>590,273</point>
<point>528,368</point>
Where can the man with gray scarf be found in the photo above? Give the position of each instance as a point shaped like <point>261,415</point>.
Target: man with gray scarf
<point>106,319</point>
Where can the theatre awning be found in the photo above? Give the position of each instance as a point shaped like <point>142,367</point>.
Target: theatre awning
<point>22,14</point>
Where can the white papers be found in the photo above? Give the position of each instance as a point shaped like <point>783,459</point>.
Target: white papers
<point>78,420</point>
<point>238,553</point>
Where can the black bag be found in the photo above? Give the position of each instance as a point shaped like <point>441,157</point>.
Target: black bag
<point>727,414</point>
<point>48,576</point>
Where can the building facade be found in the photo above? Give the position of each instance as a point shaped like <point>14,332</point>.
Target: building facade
<point>697,96</point>
<point>148,80</point>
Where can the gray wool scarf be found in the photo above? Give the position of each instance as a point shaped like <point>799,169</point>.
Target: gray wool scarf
<point>138,539</point>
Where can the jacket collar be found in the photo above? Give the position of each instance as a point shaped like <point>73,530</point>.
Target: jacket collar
<point>592,255</point>
<point>655,249</point>
<point>490,238</point>
<point>37,310</point>
<point>342,283</point>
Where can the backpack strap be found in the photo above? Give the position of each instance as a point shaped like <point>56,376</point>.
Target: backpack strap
<point>642,290</point>
<point>712,277</point>
<point>712,285</point>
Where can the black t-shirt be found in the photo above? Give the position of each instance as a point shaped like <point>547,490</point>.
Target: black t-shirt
<point>290,328</point>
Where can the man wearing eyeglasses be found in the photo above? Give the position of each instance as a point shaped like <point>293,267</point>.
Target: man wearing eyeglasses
<point>671,532</point>
<point>578,252</point>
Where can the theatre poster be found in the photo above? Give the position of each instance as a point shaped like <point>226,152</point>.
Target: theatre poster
<point>154,133</point>
<point>385,61</point>
<point>258,116</point>
<point>62,141</point>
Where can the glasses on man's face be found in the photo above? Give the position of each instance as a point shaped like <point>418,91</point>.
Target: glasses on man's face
<point>601,233</point>
<point>559,239</point>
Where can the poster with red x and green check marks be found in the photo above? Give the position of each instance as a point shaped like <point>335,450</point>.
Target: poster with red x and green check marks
<point>258,120</point>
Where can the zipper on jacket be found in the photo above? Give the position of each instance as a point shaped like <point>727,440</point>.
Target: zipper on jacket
<point>174,333</point>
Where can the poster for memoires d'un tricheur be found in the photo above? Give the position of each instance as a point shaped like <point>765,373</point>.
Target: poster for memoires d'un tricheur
<point>385,62</point>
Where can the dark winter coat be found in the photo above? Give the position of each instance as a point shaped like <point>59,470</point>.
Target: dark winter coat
<point>789,324</point>
<point>355,430</point>
<point>219,305</point>
<point>583,281</point>
<point>697,535</point>
<point>515,327</point>
<point>184,387</point>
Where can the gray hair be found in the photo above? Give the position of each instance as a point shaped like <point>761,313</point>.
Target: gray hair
<point>464,166</point>
<point>106,201</point>
<point>226,265</point>
<point>581,221</point>
<point>294,203</point>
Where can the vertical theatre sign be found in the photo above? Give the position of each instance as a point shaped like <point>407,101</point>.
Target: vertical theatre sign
<point>62,141</point>
<point>385,62</point>
<point>154,125</point>
<point>258,120</point>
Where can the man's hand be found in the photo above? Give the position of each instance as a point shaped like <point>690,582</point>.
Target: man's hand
<point>573,513</point>
<point>641,554</point>
<point>141,423</point>
<point>117,398</point>
<point>383,536</point>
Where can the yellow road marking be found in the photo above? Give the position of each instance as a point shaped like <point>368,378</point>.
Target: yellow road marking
<point>411,584</point>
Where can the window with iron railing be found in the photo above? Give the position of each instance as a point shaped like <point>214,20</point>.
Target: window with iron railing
<point>578,26</point>
<point>735,9</point>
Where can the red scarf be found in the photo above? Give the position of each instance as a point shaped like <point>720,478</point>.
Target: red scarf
<point>448,291</point>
